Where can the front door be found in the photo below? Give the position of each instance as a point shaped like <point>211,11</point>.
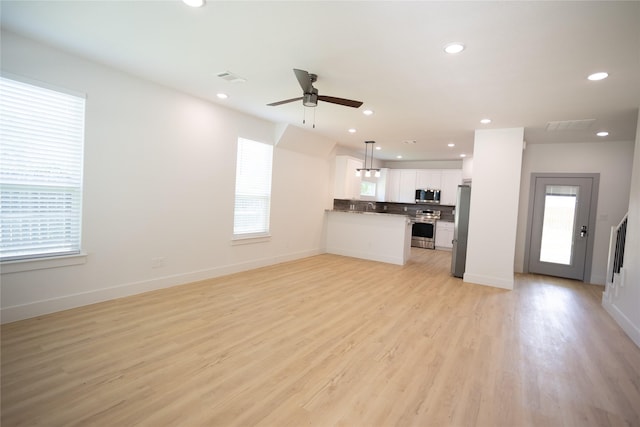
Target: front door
<point>560,240</point>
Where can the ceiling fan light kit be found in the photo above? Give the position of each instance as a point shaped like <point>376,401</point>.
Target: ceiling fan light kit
<point>310,100</point>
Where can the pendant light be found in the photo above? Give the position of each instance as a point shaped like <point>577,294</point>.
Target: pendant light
<point>368,170</point>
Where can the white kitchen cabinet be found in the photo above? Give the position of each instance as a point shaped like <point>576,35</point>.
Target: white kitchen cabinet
<point>407,192</point>
<point>400,184</point>
<point>444,235</point>
<point>392,186</point>
<point>429,179</point>
<point>381,189</point>
<point>346,183</point>
<point>467,169</point>
<point>451,178</point>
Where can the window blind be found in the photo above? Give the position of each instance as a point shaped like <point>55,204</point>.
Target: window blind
<point>41,155</point>
<point>253,189</point>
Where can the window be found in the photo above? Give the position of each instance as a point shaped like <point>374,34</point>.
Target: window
<point>41,150</point>
<point>368,188</point>
<point>253,189</point>
<point>558,223</point>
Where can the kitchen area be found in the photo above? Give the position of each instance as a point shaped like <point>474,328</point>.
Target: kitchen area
<point>382,217</point>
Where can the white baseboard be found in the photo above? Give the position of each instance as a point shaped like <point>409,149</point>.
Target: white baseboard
<point>496,282</point>
<point>622,320</point>
<point>39,308</point>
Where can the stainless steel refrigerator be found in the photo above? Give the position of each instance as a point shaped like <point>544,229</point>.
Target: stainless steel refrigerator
<point>460,231</point>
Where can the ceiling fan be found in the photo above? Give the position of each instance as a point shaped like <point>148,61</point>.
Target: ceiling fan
<point>310,95</point>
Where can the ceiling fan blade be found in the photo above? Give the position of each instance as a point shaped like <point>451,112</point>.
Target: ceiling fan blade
<point>304,79</point>
<point>340,101</point>
<point>273,104</point>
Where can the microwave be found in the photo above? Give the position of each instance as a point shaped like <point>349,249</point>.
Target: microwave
<point>427,196</point>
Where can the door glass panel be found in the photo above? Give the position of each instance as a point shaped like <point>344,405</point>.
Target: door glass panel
<point>558,224</point>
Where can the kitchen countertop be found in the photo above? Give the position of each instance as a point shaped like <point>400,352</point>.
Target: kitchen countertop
<point>367,212</point>
<point>383,213</point>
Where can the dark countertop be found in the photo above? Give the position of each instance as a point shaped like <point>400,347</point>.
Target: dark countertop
<point>367,212</point>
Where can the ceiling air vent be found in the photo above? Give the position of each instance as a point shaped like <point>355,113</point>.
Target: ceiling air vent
<point>230,77</point>
<point>583,124</point>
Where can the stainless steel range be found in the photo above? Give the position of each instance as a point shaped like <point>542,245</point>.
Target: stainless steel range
<point>423,233</point>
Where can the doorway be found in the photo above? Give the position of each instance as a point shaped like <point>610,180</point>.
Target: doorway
<point>561,225</point>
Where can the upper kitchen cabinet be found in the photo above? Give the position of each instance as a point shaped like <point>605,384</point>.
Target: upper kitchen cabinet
<point>429,179</point>
<point>401,184</point>
<point>407,193</point>
<point>467,170</point>
<point>450,180</point>
<point>346,183</point>
<point>392,186</point>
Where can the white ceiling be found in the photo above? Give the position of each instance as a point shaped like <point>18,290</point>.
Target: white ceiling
<point>525,63</point>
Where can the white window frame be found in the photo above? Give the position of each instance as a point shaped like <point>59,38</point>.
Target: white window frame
<point>368,189</point>
<point>26,173</point>
<point>254,167</point>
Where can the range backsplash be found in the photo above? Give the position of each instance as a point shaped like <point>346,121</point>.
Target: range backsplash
<point>446,212</point>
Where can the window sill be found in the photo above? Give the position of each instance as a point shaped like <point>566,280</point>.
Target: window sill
<point>18,266</point>
<point>246,240</point>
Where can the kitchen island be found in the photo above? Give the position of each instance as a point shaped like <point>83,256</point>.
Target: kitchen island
<point>369,235</point>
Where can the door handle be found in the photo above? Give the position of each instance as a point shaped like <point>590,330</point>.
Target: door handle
<point>583,231</point>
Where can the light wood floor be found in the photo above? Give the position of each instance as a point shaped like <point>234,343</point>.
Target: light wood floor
<point>327,341</point>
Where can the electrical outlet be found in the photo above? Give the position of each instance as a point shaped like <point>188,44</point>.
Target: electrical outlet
<point>157,262</point>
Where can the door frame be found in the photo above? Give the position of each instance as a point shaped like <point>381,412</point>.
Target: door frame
<point>592,216</point>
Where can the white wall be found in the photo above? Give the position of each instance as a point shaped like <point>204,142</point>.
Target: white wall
<point>612,160</point>
<point>497,159</point>
<point>624,305</point>
<point>159,182</point>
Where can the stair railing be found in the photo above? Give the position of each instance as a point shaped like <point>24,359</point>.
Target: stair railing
<point>616,254</point>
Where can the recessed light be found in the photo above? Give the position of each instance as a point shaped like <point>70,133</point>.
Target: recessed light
<point>603,133</point>
<point>485,121</point>
<point>367,112</point>
<point>463,155</point>
<point>352,130</point>
<point>451,144</point>
<point>410,141</point>
<point>194,3</point>
<point>453,48</point>
<point>378,148</point>
<point>598,76</point>
<point>222,95</point>
<point>398,157</point>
